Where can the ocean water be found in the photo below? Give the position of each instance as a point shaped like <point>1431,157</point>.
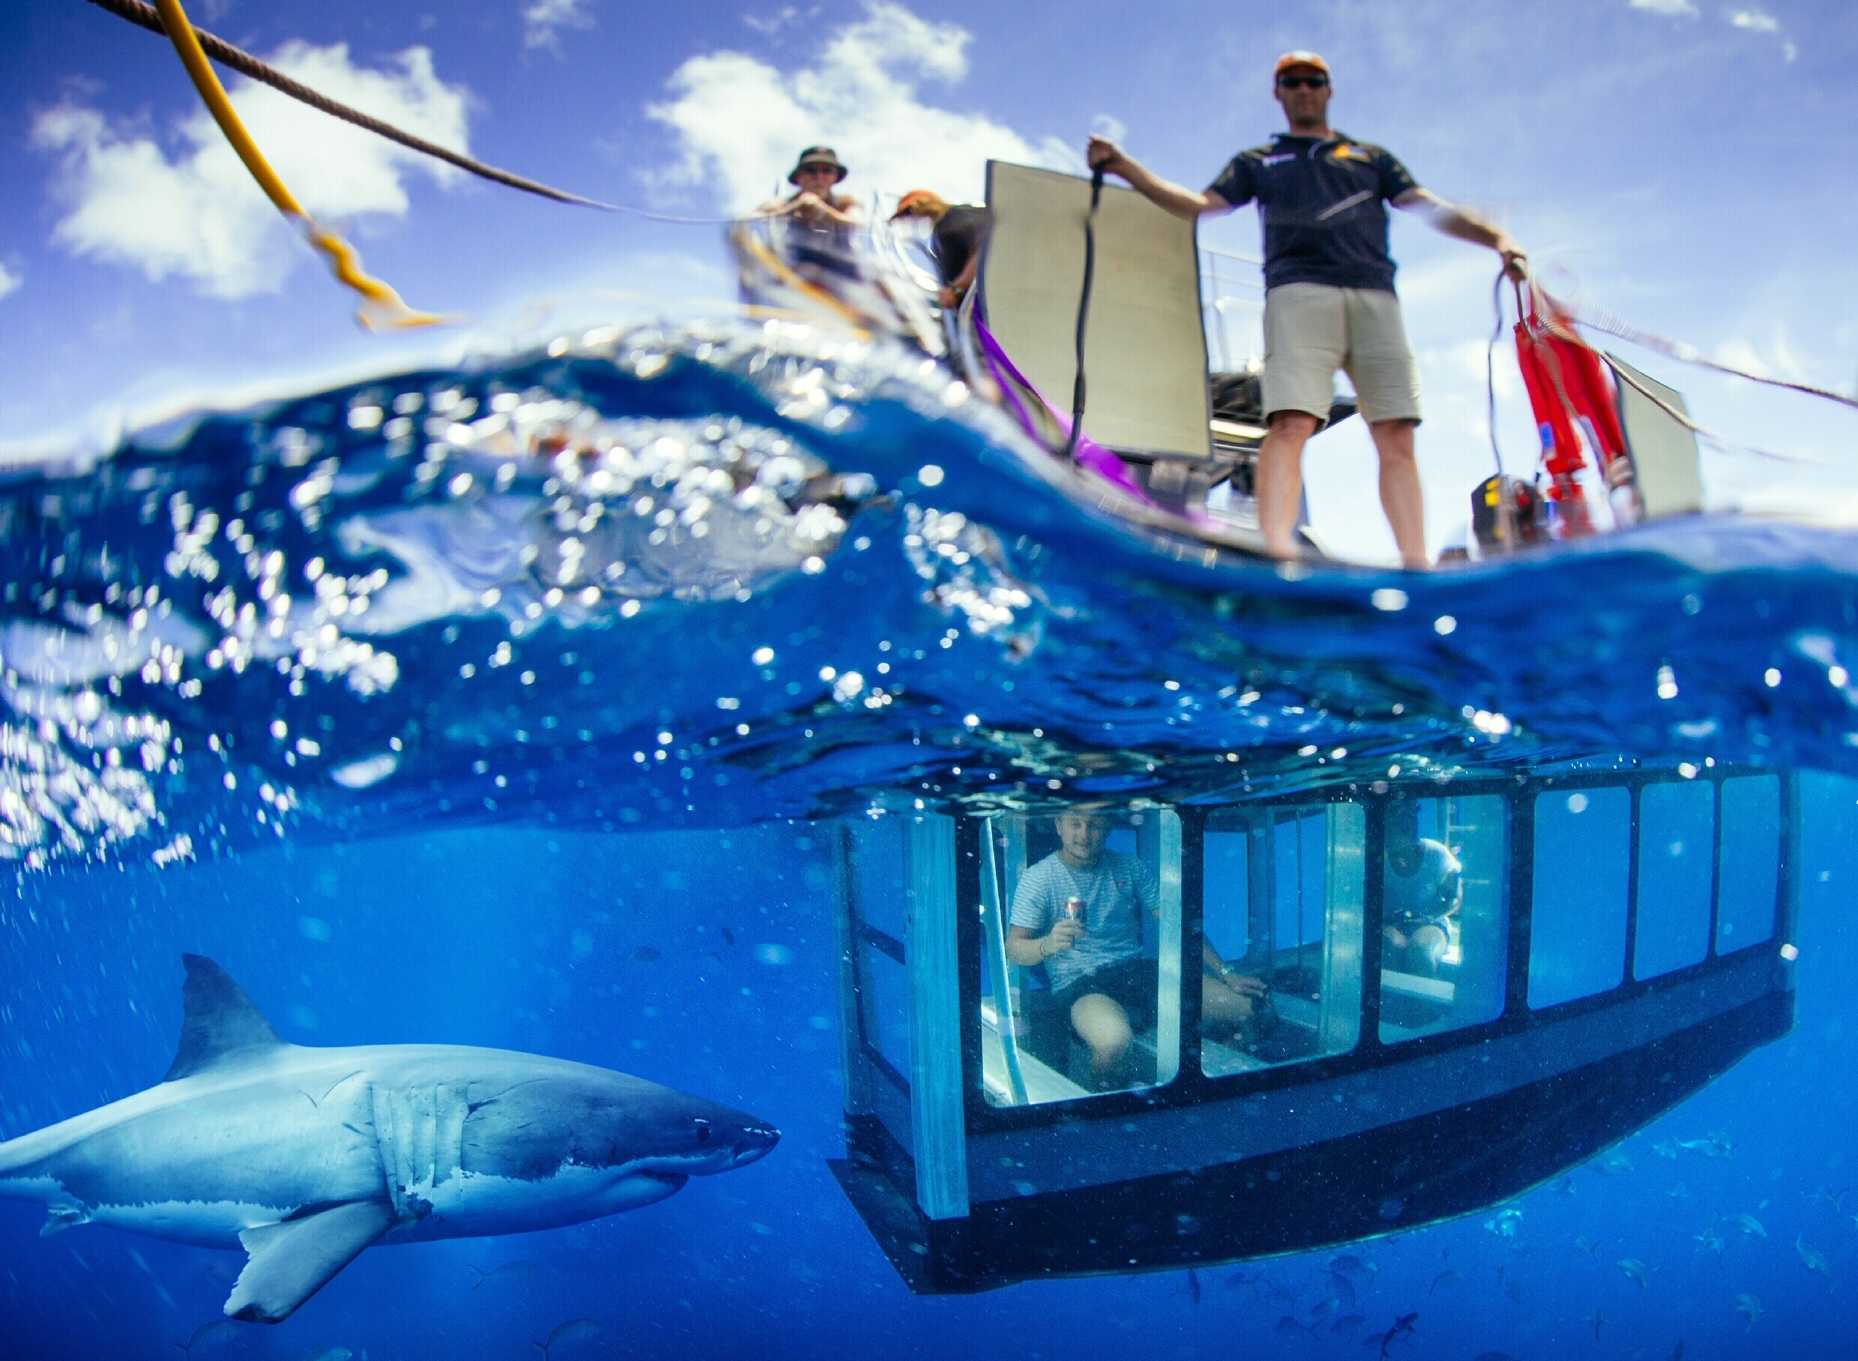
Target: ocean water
<point>511,706</point>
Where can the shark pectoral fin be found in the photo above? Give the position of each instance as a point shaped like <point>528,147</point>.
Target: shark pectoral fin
<point>58,1218</point>
<point>292,1260</point>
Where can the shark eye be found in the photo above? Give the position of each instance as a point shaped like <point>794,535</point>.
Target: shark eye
<point>703,1131</point>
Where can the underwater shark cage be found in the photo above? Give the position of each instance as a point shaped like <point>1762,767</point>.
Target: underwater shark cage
<point>1603,945</point>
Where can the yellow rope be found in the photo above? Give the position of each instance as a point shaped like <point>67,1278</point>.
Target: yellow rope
<point>381,306</point>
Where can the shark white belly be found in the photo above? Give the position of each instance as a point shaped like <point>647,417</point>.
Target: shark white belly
<point>304,1157</point>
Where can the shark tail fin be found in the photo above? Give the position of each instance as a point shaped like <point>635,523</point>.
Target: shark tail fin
<point>218,1021</point>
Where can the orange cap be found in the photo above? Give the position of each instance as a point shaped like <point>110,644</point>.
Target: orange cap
<point>920,203</point>
<point>1290,59</point>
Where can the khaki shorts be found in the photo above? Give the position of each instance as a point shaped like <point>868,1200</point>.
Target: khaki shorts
<point>1311,330</point>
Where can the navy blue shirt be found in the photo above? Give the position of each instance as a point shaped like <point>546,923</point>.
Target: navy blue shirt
<point>1324,208</point>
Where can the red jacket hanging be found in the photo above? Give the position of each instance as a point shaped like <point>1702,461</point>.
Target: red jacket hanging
<point>1567,386</point>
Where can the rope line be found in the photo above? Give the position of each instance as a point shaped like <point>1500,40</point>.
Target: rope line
<point>380,306</point>
<point>1083,313</point>
<point>1621,375</point>
<point>237,59</point>
<point>1490,369</point>
<point>1598,319</point>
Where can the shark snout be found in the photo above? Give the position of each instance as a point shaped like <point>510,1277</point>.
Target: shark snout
<point>752,1143</point>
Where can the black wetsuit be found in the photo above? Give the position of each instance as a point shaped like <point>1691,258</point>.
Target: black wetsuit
<point>957,239</point>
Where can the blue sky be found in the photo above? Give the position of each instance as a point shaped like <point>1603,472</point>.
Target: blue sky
<point>1687,163</point>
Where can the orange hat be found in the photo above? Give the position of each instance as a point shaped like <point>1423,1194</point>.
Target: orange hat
<point>1290,59</point>
<point>920,203</point>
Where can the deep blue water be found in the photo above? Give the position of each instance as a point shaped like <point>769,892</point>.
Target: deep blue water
<point>519,798</point>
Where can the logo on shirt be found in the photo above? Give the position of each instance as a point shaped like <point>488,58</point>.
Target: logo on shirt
<point>1347,152</point>
<point>1278,159</point>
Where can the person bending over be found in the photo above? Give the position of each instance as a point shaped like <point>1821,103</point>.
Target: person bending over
<point>1329,291</point>
<point>955,241</point>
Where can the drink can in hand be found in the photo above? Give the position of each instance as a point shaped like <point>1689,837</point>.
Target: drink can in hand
<point>1074,910</point>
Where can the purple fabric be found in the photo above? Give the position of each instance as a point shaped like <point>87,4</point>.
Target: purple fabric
<point>1089,454</point>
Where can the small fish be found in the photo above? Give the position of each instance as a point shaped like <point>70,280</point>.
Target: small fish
<point>1239,1278</point>
<point>1712,1241</point>
<point>645,954</point>
<point>330,1354</point>
<point>1443,1280</point>
<point>1566,1186</point>
<point>1348,1323</point>
<point>1614,1163</point>
<point>1193,1285</point>
<point>1288,1325</point>
<point>727,935</point>
<point>503,1271</point>
<point>1328,1304</point>
<point>1342,1289</point>
<point>1347,1264</point>
<point>1634,1271</point>
<point>1403,1327</point>
<point>1748,1224</point>
<point>1505,1224</point>
<point>1514,1289</point>
<point>1749,1307</point>
<point>1812,1258</point>
<point>1598,1321</point>
<point>1667,1149</point>
<point>1825,1195</point>
<point>1586,1246</point>
<point>1679,1192</point>
<point>574,1330</point>
<point>1710,1146</point>
<point>219,1330</point>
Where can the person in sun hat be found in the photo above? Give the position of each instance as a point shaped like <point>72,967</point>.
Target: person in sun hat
<point>820,221</point>
<point>1329,291</point>
<point>955,240</point>
<point>815,175</point>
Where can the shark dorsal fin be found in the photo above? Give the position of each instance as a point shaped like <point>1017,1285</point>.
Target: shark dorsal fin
<point>218,1021</point>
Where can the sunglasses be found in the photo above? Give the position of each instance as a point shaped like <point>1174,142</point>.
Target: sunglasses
<point>1302,82</point>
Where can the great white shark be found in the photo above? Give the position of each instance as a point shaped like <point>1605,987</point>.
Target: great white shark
<point>303,1156</point>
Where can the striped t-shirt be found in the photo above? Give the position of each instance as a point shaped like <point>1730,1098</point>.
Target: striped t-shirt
<point>1114,890</point>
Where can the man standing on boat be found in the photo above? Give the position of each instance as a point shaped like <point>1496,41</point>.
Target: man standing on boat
<point>821,220</point>
<point>1329,291</point>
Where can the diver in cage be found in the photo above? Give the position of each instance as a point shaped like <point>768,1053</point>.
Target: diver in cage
<point>1421,889</point>
<point>1075,912</point>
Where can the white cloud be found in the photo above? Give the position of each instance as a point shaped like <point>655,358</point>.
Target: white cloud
<point>199,215</point>
<point>9,281</point>
<point>543,21</point>
<point>774,23</point>
<point>1755,21</point>
<point>1110,126</point>
<point>1675,7</point>
<point>739,122</point>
